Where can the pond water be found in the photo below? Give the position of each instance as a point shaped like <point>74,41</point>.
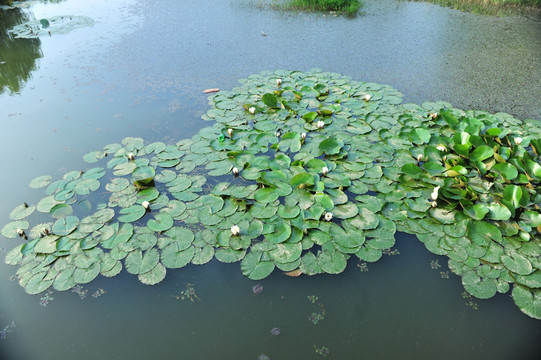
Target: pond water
<point>141,69</point>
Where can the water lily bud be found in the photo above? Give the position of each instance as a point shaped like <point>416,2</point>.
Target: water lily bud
<point>278,134</point>
<point>434,194</point>
<point>303,136</point>
<point>235,230</point>
<point>20,232</point>
<point>419,157</point>
<point>320,124</point>
<point>279,82</point>
<point>146,204</point>
<point>518,140</point>
<point>230,132</point>
<point>441,147</point>
<point>25,204</point>
<point>251,110</point>
<point>45,231</point>
<point>328,216</point>
<point>131,156</point>
<point>235,171</point>
<point>366,97</point>
<point>324,170</point>
<point>433,204</point>
<point>433,115</point>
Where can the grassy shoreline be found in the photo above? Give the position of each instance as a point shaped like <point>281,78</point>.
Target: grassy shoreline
<point>492,7</point>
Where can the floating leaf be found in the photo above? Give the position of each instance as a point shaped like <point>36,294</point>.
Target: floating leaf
<point>132,213</point>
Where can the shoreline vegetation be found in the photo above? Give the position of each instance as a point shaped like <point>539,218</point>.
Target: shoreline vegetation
<point>350,8</point>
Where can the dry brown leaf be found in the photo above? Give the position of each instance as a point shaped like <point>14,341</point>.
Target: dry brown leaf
<point>294,273</point>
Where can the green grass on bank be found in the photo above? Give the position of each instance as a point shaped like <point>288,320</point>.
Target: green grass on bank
<point>346,7</point>
<point>492,7</point>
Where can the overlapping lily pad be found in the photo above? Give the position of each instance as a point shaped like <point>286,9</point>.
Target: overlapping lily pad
<point>300,176</point>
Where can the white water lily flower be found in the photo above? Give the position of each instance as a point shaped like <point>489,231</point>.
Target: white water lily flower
<point>366,97</point>
<point>278,134</point>
<point>324,170</point>
<point>320,124</point>
<point>131,156</point>
<point>441,147</point>
<point>303,136</point>
<point>434,195</point>
<point>419,157</point>
<point>235,171</point>
<point>518,140</point>
<point>433,115</point>
<point>20,232</point>
<point>433,204</point>
<point>146,204</point>
<point>230,132</point>
<point>279,82</point>
<point>328,216</point>
<point>235,230</point>
<point>251,110</point>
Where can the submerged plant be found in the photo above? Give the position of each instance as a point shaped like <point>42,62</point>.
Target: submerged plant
<point>342,176</point>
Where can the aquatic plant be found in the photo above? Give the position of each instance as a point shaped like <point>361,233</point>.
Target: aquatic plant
<point>317,144</point>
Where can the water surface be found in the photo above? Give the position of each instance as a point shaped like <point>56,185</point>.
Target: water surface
<point>140,71</point>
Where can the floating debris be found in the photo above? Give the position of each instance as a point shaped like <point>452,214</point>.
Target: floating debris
<point>6,330</point>
<point>188,293</point>
<point>323,351</point>
<point>54,25</point>
<point>210,91</point>
<point>257,288</point>
<point>390,252</point>
<point>434,265</point>
<point>316,317</point>
<point>78,289</point>
<point>46,299</point>
<point>469,303</point>
<point>363,266</point>
<point>99,293</point>
<point>275,331</point>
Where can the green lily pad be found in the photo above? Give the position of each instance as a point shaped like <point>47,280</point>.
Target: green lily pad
<point>65,226</point>
<point>132,213</point>
<point>482,288</point>
<point>528,300</point>
<point>161,222</point>
<point>254,268</point>
<point>40,181</point>
<point>22,211</point>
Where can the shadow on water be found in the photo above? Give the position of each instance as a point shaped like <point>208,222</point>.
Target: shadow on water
<point>140,71</point>
<point>18,57</point>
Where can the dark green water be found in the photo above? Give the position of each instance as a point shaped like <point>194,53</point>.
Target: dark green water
<point>140,71</point>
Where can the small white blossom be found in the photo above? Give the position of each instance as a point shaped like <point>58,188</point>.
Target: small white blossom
<point>251,110</point>
<point>235,171</point>
<point>441,147</point>
<point>279,82</point>
<point>278,134</point>
<point>328,216</point>
<point>518,140</point>
<point>230,132</point>
<point>20,232</point>
<point>324,170</point>
<point>434,195</point>
<point>235,230</point>
<point>433,115</point>
<point>303,136</point>
<point>433,204</point>
<point>131,156</point>
<point>366,97</point>
<point>146,204</point>
<point>320,124</point>
<point>419,157</point>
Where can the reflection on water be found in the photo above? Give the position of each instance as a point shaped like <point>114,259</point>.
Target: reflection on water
<point>141,70</point>
<point>17,56</point>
